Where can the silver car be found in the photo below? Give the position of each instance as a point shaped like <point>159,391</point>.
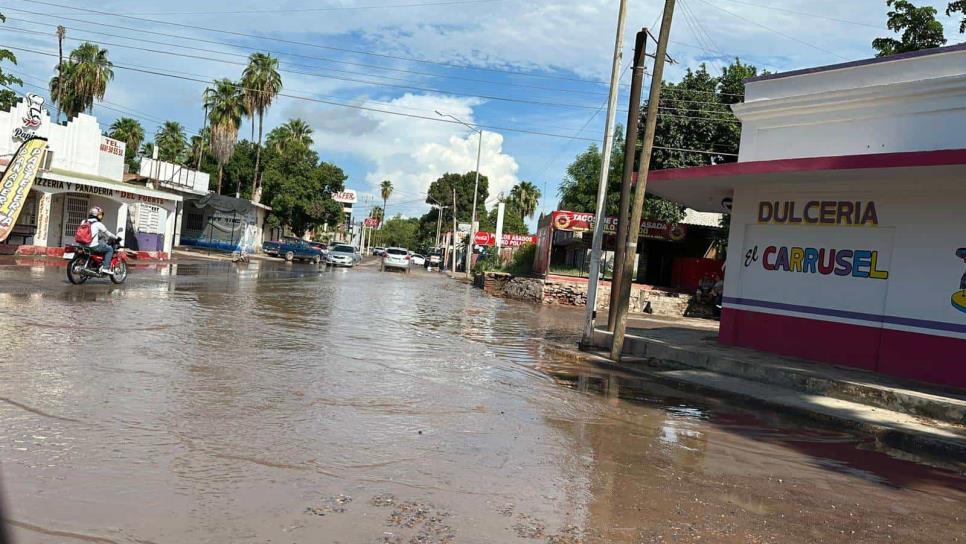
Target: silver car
<point>398,258</point>
<point>342,255</point>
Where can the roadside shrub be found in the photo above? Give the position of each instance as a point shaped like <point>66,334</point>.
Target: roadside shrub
<point>522,262</point>
<point>491,261</point>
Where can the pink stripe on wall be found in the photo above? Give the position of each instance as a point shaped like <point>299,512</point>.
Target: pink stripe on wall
<point>926,357</point>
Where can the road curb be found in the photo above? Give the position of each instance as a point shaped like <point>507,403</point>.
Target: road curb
<point>943,450</point>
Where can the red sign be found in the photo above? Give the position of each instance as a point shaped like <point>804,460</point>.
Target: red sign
<point>509,240</point>
<point>580,222</point>
<point>371,222</point>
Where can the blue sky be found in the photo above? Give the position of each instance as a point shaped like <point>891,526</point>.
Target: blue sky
<point>524,64</point>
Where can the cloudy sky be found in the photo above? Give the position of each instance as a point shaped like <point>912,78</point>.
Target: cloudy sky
<point>528,65</point>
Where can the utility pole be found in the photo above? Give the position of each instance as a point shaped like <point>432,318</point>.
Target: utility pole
<point>476,187</point>
<point>630,152</point>
<point>453,270</point>
<point>650,127</point>
<point>591,314</point>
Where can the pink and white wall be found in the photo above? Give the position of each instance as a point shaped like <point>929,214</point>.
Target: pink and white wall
<point>848,226</point>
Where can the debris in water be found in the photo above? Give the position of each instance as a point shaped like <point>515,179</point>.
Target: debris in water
<point>334,505</point>
<point>529,527</point>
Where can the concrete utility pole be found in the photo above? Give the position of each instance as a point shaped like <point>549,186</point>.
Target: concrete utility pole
<point>476,188</point>
<point>624,243</point>
<point>650,127</point>
<point>595,252</point>
<point>453,270</point>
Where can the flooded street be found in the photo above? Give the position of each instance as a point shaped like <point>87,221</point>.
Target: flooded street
<point>204,402</point>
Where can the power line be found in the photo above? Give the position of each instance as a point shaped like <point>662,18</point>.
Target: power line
<point>313,10</point>
<point>806,14</point>
<point>772,30</point>
<point>326,76</point>
<point>246,53</point>
<point>313,45</point>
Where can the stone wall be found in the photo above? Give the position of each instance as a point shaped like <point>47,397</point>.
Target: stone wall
<point>574,293</point>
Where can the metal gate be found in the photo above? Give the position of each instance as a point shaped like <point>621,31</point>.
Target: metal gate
<point>75,211</point>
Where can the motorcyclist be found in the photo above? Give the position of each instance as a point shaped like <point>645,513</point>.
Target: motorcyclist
<point>100,238</point>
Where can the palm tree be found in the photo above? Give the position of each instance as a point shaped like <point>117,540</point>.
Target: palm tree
<point>147,149</point>
<point>197,146</point>
<point>385,189</point>
<point>171,141</point>
<point>131,133</point>
<point>527,198</point>
<point>298,132</point>
<point>90,74</point>
<point>261,83</point>
<point>61,32</point>
<point>225,104</point>
<point>62,91</point>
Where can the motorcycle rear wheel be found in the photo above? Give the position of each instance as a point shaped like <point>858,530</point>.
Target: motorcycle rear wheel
<point>74,268</point>
<point>120,272</point>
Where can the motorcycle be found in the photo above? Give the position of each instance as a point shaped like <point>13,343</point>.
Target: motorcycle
<point>85,264</point>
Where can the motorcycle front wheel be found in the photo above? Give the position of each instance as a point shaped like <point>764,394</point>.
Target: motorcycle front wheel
<point>74,268</point>
<point>120,272</point>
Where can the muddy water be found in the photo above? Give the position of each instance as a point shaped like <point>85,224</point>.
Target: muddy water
<point>203,403</point>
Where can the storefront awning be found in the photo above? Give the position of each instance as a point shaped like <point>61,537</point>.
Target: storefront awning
<point>120,191</point>
<point>704,188</point>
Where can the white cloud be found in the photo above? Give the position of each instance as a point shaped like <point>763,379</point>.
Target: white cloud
<point>411,152</point>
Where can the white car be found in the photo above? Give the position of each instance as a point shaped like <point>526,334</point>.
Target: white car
<point>418,260</point>
<point>396,257</point>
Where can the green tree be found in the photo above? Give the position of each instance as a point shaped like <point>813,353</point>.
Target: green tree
<point>62,91</point>
<point>147,149</point>
<point>224,102</point>
<point>441,192</point>
<point>88,77</point>
<point>239,169</point>
<point>376,213</point>
<point>293,132</point>
<point>398,232</point>
<point>130,132</point>
<point>171,142</point>
<point>8,98</point>
<point>526,198</point>
<point>385,190</point>
<point>299,189</point>
<point>198,148</point>
<point>261,83</point>
<point>958,6</point>
<point>918,27</point>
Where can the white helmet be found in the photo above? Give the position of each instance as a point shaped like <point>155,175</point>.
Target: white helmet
<point>96,211</point>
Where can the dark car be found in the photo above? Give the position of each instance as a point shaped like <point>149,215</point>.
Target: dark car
<point>291,249</point>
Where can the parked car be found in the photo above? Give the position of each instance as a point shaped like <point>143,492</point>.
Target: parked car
<point>418,260</point>
<point>378,251</point>
<point>342,255</point>
<point>434,261</point>
<point>291,249</point>
<point>398,258</point>
<point>321,247</point>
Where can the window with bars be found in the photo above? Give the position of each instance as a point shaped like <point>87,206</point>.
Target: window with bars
<point>195,221</point>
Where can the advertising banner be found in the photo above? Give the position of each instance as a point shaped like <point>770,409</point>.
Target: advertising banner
<point>582,222</point>
<point>346,197</point>
<point>16,182</point>
<point>509,240</point>
<point>372,222</point>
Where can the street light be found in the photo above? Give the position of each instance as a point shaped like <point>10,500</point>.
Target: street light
<point>476,189</point>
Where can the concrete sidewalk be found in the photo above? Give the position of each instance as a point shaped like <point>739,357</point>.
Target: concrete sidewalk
<point>900,413</point>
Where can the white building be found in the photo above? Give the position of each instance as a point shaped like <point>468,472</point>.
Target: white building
<point>848,231</point>
<point>82,169</point>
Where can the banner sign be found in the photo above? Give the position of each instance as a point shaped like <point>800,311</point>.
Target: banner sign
<point>17,181</point>
<point>581,222</point>
<point>346,197</point>
<point>509,240</point>
<point>371,222</point>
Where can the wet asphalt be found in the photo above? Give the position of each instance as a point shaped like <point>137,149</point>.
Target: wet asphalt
<point>204,401</point>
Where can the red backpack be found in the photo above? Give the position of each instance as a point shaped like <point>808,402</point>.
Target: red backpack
<point>84,234</point>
